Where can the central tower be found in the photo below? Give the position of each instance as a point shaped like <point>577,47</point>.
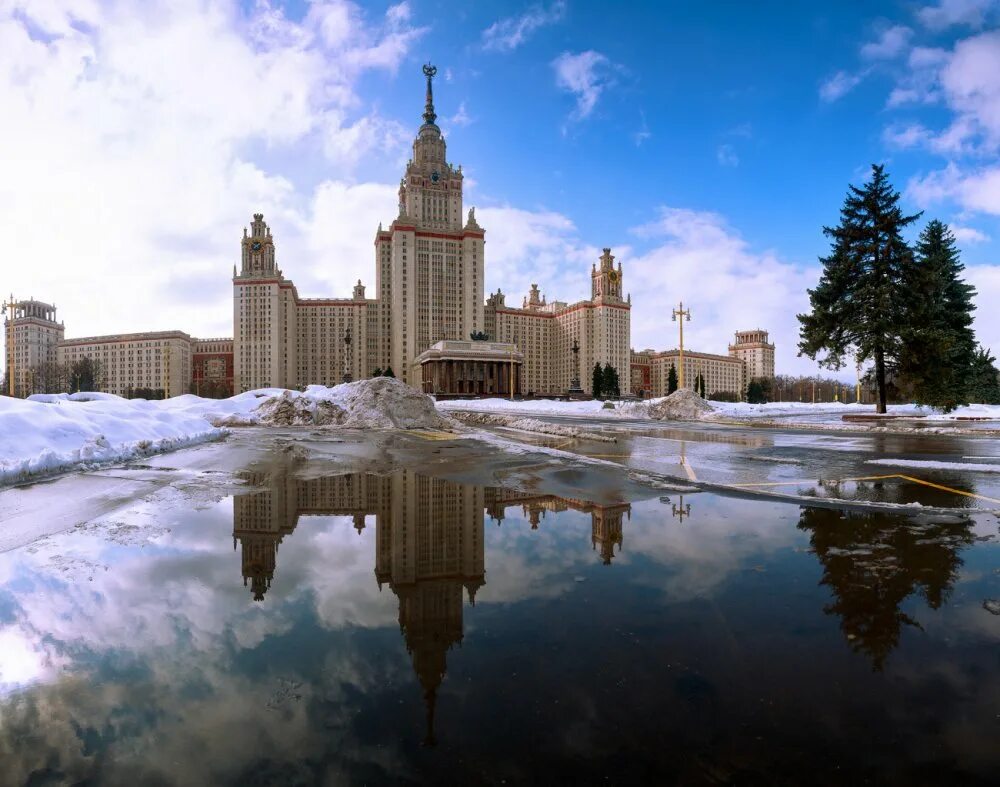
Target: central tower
<point>429,264</point>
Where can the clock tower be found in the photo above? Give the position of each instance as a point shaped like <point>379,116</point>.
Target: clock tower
<point>258,250</point>
<point>605,279</point>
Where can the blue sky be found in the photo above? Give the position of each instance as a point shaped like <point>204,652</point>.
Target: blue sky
<point>706,143</point>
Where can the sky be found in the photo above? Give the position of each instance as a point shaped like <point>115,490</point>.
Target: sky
<point>706,143</point>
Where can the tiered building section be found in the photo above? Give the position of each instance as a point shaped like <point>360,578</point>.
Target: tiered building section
<point>545,332</point>
<point>31,340</point>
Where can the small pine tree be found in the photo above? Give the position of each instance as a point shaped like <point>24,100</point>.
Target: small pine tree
<point>938,344</point>
<point>671,380</point>
<point>756,393</point>
<point>983,385</point>
<point>597,382</point>
<point>608,381</point>
<point>377,371</point>
<point>388,372</point>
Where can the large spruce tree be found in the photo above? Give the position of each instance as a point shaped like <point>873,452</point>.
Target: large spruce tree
<point>597,382</point>
<point>671,380</point>
<point>856,307</point>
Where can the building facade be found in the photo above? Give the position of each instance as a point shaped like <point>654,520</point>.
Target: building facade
<point>429,279</point>
<point>546,332</point>
<point>757,354</point>
<point>157,360</point>
<point>31,339</point>
<point>722,373</point>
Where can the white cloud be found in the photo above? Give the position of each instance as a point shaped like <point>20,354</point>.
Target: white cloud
<point>461,118</point>
<point>686,255</point>
<point>946,13</point>
<point>840,84</point>
<point>726,155</point>
<point>507,34</point>
<point>891,43</point>
<point>129,170</point>
<point>643,133</point>
<point>974,189</point>
<point>585,75</point>
<point>968,235</point>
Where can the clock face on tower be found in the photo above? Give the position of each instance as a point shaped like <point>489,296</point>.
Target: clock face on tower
<point>435,177</point>
<point>613,276</point>
<point>255,245</point>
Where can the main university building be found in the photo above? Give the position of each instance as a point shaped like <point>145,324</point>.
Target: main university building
<point>428,304</point>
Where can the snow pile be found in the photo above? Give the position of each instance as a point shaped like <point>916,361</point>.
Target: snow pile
<point>528,425</point>
<point>968,467</point>
<point>682,405</point>
<point>49,434</point>
<point>377,403</point>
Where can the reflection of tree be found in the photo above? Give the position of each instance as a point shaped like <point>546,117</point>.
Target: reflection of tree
<point>872,562</point>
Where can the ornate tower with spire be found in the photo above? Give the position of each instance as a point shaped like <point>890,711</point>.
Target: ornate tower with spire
<point>430,261</point>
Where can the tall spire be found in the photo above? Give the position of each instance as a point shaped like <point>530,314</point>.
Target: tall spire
<point>429,116</point>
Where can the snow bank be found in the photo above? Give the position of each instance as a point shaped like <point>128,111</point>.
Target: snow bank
<point>53,433</point>
<point>528,425</point>
<point>377,403</point>
<point>968,467</point>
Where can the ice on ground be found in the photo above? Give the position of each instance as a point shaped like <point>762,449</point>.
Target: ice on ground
<point>528,425</point>
<point>969,467</point>
<point>57,433</point>
<point>529,406</point>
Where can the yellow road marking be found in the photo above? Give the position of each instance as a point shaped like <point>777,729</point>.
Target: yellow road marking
<point>432,435</point>
<point>877,478</point>
<point>689,470</point>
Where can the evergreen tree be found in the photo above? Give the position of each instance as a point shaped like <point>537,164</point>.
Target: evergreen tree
<point>983,385</point>
<point>938,344</point>
<point>756,394</point>
<point>671,380</point>
<point>377,371</point>
<point>699,385</point>
<point>855,306</point>
<point>597,381</point>
<point>609,381</point>
<point>388,372</point>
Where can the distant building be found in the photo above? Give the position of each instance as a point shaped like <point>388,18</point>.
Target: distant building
<point>156,360</point>
<point>545,332</point>
<point>757,354</point>
<point>750,356</point>
<point>31,336</point>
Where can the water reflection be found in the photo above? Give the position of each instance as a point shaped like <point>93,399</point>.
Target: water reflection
<point>132,651</point>
<point>872,563</point>
<point>429,544</point>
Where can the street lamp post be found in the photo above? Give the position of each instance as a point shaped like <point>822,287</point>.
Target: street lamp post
<point>683,313</point>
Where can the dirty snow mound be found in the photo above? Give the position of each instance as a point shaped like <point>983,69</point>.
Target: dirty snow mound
<point>294,409</point>
<point>386,403</point>
<point>681,405</point>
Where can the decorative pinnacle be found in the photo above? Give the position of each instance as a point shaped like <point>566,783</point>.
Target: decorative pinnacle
<point>429,115</point>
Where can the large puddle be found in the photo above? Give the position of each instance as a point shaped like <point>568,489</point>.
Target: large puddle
<point>402,628</point>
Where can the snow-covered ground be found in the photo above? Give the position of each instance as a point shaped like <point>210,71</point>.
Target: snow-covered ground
<point>785,411</point>
<point>46,434</point>
<point>56,432</point>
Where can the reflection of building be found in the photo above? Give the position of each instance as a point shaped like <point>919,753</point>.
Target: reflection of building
<point>606,521</point>
<point>429,544</point>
